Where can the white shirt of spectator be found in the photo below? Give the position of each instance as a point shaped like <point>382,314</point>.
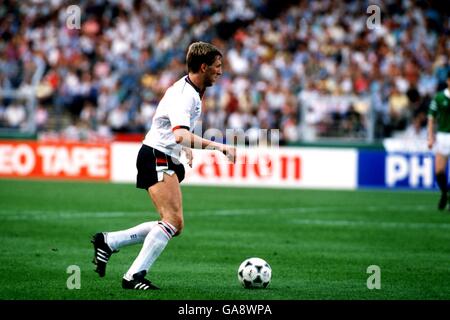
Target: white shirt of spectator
<point>180,107</point>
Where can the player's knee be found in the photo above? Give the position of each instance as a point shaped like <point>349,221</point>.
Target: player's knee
<point>176,221</point>
<point>179,224</point>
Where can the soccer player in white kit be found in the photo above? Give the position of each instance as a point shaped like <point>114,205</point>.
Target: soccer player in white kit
<point>159,169</point>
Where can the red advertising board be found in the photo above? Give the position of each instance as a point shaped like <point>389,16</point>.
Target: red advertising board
<point>55,160</point>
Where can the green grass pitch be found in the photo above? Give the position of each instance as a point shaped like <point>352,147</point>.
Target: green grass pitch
<point>319,243</point>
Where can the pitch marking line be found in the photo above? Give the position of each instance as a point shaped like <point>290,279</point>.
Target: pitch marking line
<point>372,224</point>
<point>18,215</point>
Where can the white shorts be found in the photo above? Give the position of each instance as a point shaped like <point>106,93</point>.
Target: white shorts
<point>443,143</point>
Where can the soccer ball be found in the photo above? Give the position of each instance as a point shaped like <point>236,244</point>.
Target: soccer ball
<point>254,273</point>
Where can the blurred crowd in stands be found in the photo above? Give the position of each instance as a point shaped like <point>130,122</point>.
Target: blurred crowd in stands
<point>311,69</point>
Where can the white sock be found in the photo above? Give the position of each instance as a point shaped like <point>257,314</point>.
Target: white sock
<point>137,234</point>
<point>154,244</point>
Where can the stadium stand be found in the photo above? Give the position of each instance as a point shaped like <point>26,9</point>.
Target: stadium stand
<point>309,68</point>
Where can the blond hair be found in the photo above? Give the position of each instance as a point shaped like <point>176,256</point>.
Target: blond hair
<point>201,52</point>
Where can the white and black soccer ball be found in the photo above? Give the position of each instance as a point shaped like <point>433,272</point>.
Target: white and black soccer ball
<point>254,273</point>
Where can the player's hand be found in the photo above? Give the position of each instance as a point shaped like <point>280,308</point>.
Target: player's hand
<point>230,153</point>
<point>189,156</point>
<point>430,142</point>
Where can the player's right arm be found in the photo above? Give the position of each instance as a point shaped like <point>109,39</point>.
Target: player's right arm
<point>432,112</point>
<point>190,140</point>
<point>430,128</point>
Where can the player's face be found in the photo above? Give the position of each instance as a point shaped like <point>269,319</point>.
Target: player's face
<point>213,72</point>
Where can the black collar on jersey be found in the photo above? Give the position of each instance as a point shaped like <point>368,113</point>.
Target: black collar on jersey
<point>200,93</point>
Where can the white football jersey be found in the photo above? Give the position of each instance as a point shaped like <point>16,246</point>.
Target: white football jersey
<point>180,107</point>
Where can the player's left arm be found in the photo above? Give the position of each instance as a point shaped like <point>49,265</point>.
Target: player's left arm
<point>430,129</point>
<point>187,139</point>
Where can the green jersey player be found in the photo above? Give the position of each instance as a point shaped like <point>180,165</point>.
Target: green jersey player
<point>440,110</point>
